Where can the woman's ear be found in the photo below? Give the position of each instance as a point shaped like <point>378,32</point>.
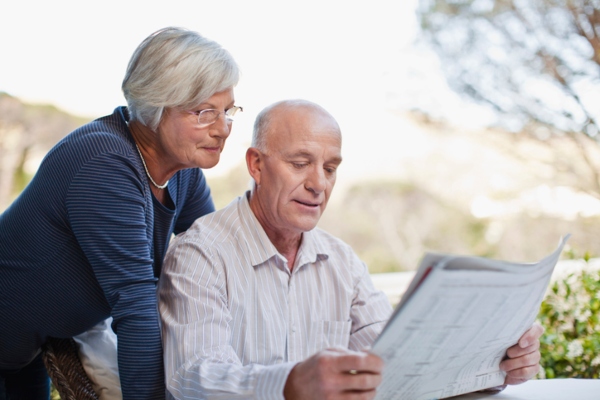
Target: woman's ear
<point>254,163</point>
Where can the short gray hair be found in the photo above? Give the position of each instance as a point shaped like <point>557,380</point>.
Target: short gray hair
<point>261,126</point>
<point>175,68</point>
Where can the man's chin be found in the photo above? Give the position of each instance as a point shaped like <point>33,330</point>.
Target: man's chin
<point>307,224</point>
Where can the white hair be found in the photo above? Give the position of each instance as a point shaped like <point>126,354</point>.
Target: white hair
<point>175,68</point>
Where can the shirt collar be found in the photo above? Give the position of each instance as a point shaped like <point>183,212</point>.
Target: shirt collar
<point>261,249</point>
<point>311,249</point>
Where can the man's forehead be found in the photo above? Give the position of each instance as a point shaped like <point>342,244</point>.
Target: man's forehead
<point>328,150</point>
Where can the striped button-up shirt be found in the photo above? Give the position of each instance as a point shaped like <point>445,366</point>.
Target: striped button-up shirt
<point>236,320</point>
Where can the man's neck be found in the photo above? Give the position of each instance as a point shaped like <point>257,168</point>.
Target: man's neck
<point>287,242</point>
<point>287,248</point>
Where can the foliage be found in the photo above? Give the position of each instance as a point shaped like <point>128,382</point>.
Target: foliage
<point>535,63</point>
<point>390,224</point>
<point>226,188</point>
<point>27,132</point>
<point>54,393</point>
<point>570,313</point>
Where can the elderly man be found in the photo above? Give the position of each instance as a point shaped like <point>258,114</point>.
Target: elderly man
<point>256,302</point>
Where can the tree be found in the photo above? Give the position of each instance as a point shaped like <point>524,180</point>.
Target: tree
<point>26,131</point>
<point>536,63</point>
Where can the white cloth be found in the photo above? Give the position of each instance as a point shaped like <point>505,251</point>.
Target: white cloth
<point>235,320</point>
<point>98,354</point>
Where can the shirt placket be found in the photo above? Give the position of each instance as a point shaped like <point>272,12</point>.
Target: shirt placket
<point>294,332</point>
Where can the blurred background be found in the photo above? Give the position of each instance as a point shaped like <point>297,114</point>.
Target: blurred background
<point>469,126</point>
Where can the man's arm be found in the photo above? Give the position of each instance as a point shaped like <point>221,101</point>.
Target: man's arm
<point>370,310</point>
<point>200,361</point>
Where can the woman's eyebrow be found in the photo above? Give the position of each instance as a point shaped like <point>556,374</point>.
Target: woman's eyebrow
<point>209,105</point>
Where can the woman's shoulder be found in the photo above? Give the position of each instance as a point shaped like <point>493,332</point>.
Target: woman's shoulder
<point>108,133</point>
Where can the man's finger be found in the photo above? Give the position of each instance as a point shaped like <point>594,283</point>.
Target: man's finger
<point>360,381</point>
<point>359,362</point>
<point>531,336</point>
<point>528,360</point>
<point>518,376</point>
<point>518,351</point>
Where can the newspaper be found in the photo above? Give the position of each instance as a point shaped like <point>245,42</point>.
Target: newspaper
<point>453,325</point>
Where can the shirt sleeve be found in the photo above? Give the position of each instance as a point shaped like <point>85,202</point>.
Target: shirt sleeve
<point>370,311</point>
<point>200,362</point>
<point>107,208</point>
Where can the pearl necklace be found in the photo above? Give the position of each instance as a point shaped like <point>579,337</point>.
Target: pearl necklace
<point>148,173</point>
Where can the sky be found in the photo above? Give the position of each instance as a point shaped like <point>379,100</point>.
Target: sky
<point>354,58</point>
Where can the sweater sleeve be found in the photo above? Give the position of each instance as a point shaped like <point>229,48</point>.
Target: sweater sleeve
<point>107,212</point>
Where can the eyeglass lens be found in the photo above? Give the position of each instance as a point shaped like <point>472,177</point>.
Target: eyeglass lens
<point>209,116</point>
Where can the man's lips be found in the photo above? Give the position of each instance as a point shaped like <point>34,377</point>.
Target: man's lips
<point>308,203</point>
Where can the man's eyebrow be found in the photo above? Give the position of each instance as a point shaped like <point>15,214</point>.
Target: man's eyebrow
<point>336,160</point>
<point>300,153</point>
<point>309,155</point>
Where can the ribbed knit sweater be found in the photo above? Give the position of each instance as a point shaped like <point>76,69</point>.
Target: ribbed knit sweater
<point>84,241</point>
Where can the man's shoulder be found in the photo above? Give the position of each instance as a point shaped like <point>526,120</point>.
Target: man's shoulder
<point>330,242</point>
<point>217,228</point>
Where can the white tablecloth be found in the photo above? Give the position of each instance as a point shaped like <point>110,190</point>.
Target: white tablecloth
<point>544,389</point>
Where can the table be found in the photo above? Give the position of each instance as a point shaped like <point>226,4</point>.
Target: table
<point>544,389</point>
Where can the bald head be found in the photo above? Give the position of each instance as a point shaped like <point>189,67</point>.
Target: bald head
<point>293,161</point>
<point>279,118</point>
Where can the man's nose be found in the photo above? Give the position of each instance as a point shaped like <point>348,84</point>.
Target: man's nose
<point>316,181</point>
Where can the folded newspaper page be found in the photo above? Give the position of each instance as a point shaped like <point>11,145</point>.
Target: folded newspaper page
<point>453,325</point>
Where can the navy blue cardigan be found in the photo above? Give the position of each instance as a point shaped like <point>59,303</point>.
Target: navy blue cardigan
<point>85,241</point>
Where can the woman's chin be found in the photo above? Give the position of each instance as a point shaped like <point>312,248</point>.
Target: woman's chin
<point>208,164</point>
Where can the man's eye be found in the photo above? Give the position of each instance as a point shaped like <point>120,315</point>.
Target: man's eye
<point>299,165</point>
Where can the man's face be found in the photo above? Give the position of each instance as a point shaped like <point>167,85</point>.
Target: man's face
<point>298,170</point>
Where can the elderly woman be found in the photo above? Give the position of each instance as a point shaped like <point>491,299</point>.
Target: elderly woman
<point>85,240</point>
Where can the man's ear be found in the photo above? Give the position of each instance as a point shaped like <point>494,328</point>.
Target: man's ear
<point>254,163</point>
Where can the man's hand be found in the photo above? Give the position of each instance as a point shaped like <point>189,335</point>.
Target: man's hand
<point>335,374</point>
<point>523,359</point>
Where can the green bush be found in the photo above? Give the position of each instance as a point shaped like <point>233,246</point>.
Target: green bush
<point>570,313</point>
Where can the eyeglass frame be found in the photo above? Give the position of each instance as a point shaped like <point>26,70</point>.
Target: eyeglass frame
<point>228,118</point>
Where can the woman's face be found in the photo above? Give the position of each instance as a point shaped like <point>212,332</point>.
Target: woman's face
<point>186,144</point>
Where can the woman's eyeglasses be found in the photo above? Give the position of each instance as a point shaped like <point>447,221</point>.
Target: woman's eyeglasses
<point>210,115</point>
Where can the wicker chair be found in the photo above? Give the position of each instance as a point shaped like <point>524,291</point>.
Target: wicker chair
<point>66,371</point>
